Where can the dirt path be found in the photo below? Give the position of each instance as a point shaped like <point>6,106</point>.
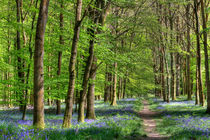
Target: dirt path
<point>149,123</point>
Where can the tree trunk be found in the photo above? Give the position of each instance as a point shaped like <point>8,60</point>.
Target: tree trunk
<point>85,83</point>
<point>72,63</point>
<point>177,60</point>
<point>205,43</point>
<point>20,92</point>
<point>58,102</point>
<point>38,119</point>
<point>119,88</point>
<point>162,74</point>
<point>167,78</point>
<point>197,101</point>
<point>91,92</point>
<point>124,87</point>
<point>173,93</point>
<point>29,65</point>
<point>188,77</point>
<point>77,90</point>
<point>200,86</point>
<point>106,86</point>
<point>114,96</point>
<point>111,86</point>
<point>94,15</point>
<point>165,58</point>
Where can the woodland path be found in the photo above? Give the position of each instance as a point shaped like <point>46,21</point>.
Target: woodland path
<point>149,123</point>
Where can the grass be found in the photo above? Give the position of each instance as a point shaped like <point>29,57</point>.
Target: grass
<point>182,120</point>
<point>118,122</point>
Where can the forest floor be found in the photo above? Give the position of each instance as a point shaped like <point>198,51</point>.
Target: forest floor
<point>149,123</point>
<point>181,119</point>
<point>113,122</point>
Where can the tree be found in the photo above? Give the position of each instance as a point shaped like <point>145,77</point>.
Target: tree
<point>72,63</point>
<point>188,77</point>
<point>38,119</point>
<point>205,43</point>
<point>197,31</point>
<point>58,102</point>
<point>94,15</point>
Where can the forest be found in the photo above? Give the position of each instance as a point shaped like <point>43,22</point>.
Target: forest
<point>104,70</point>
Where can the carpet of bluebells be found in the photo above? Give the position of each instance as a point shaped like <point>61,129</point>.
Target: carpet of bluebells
<point>183,120</point>
<point>116,122</point>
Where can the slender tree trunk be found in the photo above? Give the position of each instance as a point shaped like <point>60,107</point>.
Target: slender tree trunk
<point>92,32</point>
<point>161,50</point>
<point>72,63</point>
<point>165,58</point>
<point>29,65</point>
<point>188,77</point>
<point>205,43</point>
<point>77,90</point>
<point>173,93</point>
<point>119,88</point>
<point>111,86</point>
<point>124,87</point>
<point>91,92</point>
<point>58,102</point>
<point>167,78</point>
<point>184,75</point>
<point>114,96</point>
<point>107,86</point>
<point>177,90</point>
<point>162,74</point>
<point>20,92</point>
<point>197,98</point>
<point>200,86</point>
<point>85,83</point>
<point>38,120</point>
<point>155,69</point>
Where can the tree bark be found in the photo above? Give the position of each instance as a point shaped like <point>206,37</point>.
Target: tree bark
<point>197,98</point>
<point>94,15</point>
<point>106,86</point>
<point>85,83</point>
<point>205,43</point>
<point>72,63</point>
<point>114,96</point>
<point>200,86</point>
<point>162,69</point>
<point>119,88</point>
<point>58,102</point>
<point>188,77</point>
<point>173,93</point>
<point>20,92</point>
<point>91,92</point>
<point>177,57</point>
<point>38,119</point>
<point>29,65</point>
<point>124,87</point>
